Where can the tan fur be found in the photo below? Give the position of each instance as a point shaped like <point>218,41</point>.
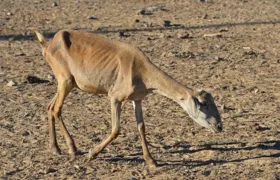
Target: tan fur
<point>98,65</point>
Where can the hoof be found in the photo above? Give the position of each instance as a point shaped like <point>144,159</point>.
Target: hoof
<point>151,164</point>
<point>73,152</point>
<point>72,157</point>
<point>91,155</point>
<point>55,151</point>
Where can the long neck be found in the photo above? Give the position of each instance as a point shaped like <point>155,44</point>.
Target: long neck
<point>161,83</point>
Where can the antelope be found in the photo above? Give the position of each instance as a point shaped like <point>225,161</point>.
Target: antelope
<point>97,65</point>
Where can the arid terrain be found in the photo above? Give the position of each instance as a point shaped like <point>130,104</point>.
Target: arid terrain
<point>229,48</point>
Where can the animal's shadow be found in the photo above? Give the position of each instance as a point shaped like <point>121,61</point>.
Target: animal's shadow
<point>107,30</point>
<point>183,147</point>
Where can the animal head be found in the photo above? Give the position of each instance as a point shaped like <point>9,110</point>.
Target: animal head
<point>203,110</point>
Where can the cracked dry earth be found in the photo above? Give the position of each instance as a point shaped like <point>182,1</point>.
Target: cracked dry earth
<point>230,48</point>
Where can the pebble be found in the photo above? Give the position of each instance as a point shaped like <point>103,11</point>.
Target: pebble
<point>206,173</point>
<point>223,107</point>
<point>217,58</point>
<point>9,14</point>
<point>232,88</point>
<point>19,54</point>
<point>11,83</point>
<point>51,76</point>
<point>49,170</point>
<point>153,8</point>
<point>172,54</point>
<point>121,34</point>
<point>92,17</point>
<point>246,48</point>
<point>183,36</point>
<point>224,30</point>
<point>54,4</point>
<point>141,12</point>
<point>242,144</point>
<point>25,133</point>
<point>206,1</point>
<point>256,91</point>
<point>77,167</point>
<point>166,23</point>
<point>34,79</point>
<point>278,61</point>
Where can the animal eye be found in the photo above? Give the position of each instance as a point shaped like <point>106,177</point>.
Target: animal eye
<point>203,105</point>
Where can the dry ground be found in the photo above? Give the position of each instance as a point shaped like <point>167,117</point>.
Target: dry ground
<point>240,66</point>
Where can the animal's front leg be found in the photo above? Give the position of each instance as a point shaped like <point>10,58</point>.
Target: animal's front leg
<point>141,128</point>
<point>116,112</point>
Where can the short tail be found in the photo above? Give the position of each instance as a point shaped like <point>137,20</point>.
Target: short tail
<point>40,37</point>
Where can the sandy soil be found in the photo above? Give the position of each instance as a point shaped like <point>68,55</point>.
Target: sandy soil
<point>239,65</point>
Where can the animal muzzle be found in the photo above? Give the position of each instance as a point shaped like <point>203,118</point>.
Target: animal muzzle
<point>217,127</point>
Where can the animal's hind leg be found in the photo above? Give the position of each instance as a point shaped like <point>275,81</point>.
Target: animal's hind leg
<point>64,87</point>
<point>52,134</point>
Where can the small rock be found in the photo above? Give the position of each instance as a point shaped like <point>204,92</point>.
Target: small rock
<point>162,35</point>
<point>153,8</point>
<point>77,167</point>
<point>184,36</point>
<point>54,4</point>
<point>206,1</point>
<point>223,107</point>
<point>141,12</point>
<point>19,54</point>
<point>206,173</point>
<point>224,30</point>
<point>163,54</point>
<point>218,35</point>
<point>205,16</point>
<point>49,170</point>
<point>9,14</point>
<point>247,48</point>
<point>51,76</point>
<point>224,87</point>
<point>232,88</point>
<point>11,83</point>
<point>278,61</point>
<point>33,79</point>
<point>171,62</point>
<point>91,17</point>
<point>242,144</point>
<point>25,133</point>
<point>217,58</point>
<point>250,53</point>
<point>256,91</point>
<point>260,127</point>
<point>166,23</point>
<point>132,178</point>
<point>171,54</point>
<point>121,34</point>
<point>217,46</point>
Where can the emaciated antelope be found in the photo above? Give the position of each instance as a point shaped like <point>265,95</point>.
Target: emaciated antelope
<point>98,65</point>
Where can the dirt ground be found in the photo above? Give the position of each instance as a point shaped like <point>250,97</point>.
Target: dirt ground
<point>230,48</point>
